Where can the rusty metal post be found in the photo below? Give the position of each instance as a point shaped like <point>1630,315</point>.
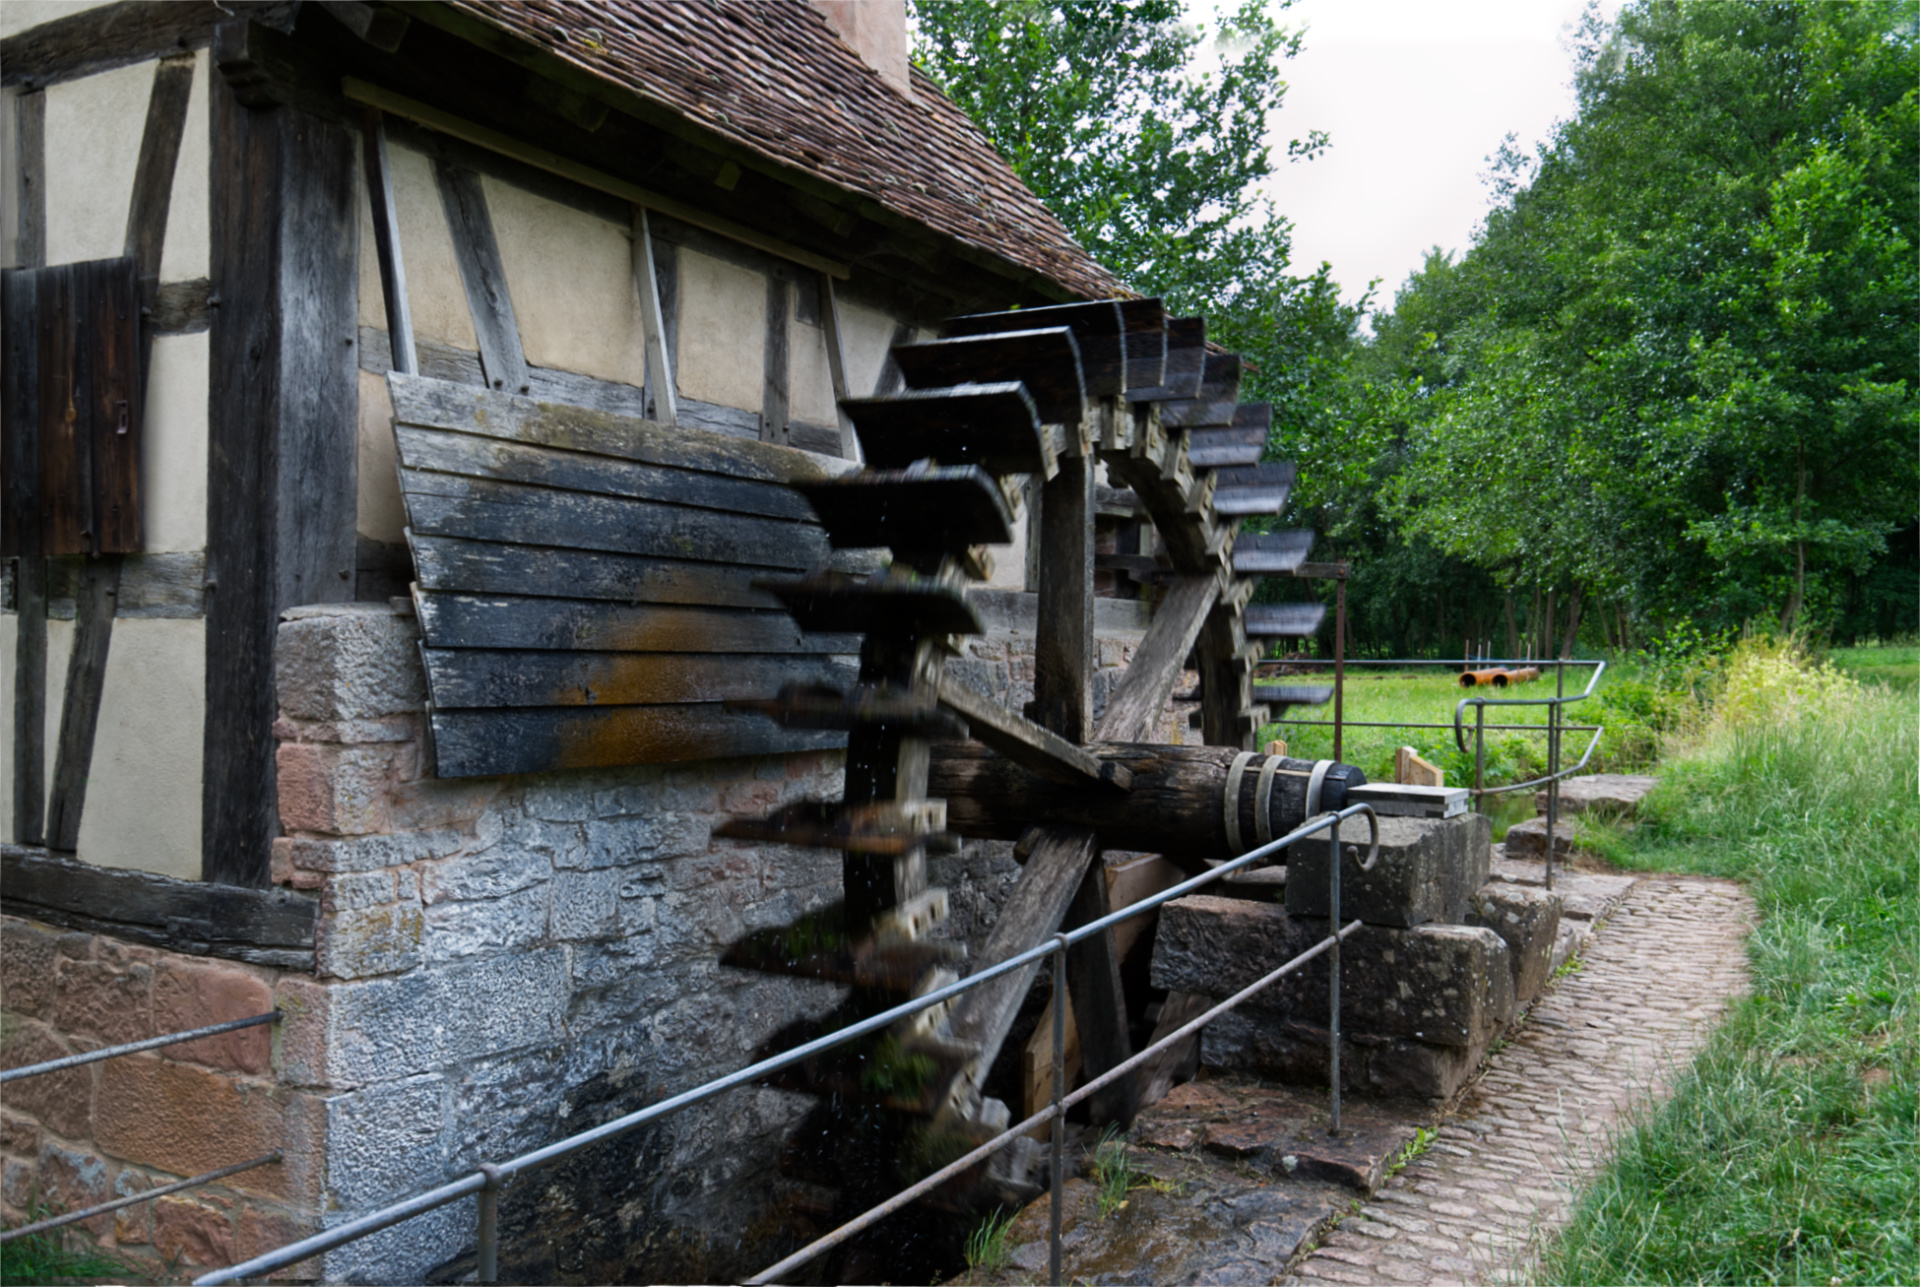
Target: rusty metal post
<point>1339,657</point>
<point>489,1242</point>
<point>1479,756</point>
<point>1333,981</point>
<point>1059,1177</point>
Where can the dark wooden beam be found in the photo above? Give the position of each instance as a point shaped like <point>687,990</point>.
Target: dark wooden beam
<point>386,240</point>
<point>1024,742</point>
<point>20,523</point>
<point>776,376</point>
<point>484,277</point>
<point>1063,655</point>
<point>80,709</point>
<point>30,178</point>
<point>282,439</point>
<point>1157,663</point>
<point>116,35</point>
<point>273,927</point>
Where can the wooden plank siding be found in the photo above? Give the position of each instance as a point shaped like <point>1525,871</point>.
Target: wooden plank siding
<point>585,588</point>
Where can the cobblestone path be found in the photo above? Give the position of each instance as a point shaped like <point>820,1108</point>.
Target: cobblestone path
<point>1499,1176</point>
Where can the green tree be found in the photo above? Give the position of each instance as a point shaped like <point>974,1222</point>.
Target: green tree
<point>1694,337</point>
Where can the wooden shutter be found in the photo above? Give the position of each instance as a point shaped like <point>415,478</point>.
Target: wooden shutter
<point>70,436</point>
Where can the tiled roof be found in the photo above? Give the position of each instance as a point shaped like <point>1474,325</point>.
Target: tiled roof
<point>774,77</point>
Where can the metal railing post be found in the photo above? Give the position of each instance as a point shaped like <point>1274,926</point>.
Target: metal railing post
<point>1339,661</point>
<point>1333,981</point>
<point>1057,1211</point>
<point>1479,756</point>
<point>1553,786</point>
<point>489,1243</point>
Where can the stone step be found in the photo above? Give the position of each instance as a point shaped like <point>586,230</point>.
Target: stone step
<point>1426,870</point>
<point>1618,794</point>
<point>1527,919</point>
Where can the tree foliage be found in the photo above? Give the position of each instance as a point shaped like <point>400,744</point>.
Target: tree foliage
<point>1679,364</point>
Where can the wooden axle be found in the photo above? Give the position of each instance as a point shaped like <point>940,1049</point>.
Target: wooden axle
<point>1177,807</point>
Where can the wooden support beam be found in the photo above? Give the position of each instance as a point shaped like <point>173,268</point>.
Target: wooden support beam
<point>20,536</point>
<point>484,278</point>
<point>1099,1002</point>
<point>80,713</point>
<point>836,338</point>
<point>775,378</point>
<point>1024,742</point>
<point>282,439</point>
<point>663,404</point>
<point>29,196</point>
<point>100,37</point>
<point>386,240</point>
<point>1063,657</point>
<point>1157,663</point>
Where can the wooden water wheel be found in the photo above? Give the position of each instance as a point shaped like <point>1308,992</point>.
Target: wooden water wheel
<point>1045,394</point>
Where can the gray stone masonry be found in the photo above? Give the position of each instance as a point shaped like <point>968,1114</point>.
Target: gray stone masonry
<point>1528,921</point>
<point>1442,984</point>
<point>1619,794</point>
<point>1604,1044</point>
<point>1426,870</point>
<point>1529,839</point>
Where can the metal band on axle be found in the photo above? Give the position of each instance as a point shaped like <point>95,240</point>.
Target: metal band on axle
<point>1230,799</point>
<point>1314,782</point>
<point>1263,801</point>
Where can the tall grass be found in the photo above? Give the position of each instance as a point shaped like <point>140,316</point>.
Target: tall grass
<point>1790,1151</point>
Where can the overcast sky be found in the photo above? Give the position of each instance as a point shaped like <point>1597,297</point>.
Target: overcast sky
<point>1416,94</point>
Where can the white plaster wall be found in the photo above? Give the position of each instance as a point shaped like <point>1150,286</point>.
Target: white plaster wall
<point>1010,561</point>
<point>59,647</point>
<point>93,146</point>
<point>18,15</point>
<point>379,513</point>
<point>809,377</point>
<point>435,296</point>
<point>570,275</point>
<point>723,332</point>
<point>868,333</point>
<point>143,797</point>
<point>173,464</point>
<point>188,248</point>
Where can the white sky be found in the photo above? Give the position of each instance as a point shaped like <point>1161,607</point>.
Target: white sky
<point>1416,94</point>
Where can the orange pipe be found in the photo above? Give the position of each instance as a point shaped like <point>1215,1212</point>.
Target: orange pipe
<point>1525,674</point>
<point>1480,678</point>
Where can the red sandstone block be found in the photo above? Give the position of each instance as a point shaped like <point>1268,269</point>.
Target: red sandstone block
<point>194,1232</point>
<point>103,999</point>
<point>71,1179</point>
<point>62,1101</point>
<point>300,1038</point>
<point>19,1134</point>
<point>205,993</point>
<point>132,1226</point>
<point>26,967</point>
<point>185,1120</point>
<point>259,1230</point>
<point>335,790</point>
<point>280,861</point>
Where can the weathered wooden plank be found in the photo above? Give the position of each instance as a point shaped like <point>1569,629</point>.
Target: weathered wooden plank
<point>1157,663</point>
<point>64,420</point>
<point>483,277</point>
<point>1280,696</point>
<point>1033,910</point>
<point>386,240</point>
<point>1255,490</point>
<point>472,456</point>
<point>483,743</point>
<point>482,677</point>
<point>486,567</point>
<point>109,325</point>
<point>1063,654</point>
<point>1286,620</point>
<point>1024,742</point>
<point>1099,1001</point>
<point>181,307</point>
<point>1046,361</point>
<point>382,27</point>
<point>661,399</point>
<point>151,585</point>
<point>904,606</point>
<point>1215,402</point>
<point>943,509</point>
<point>1220,448</point>
<point>153,174</point>
<point>80,715</point>
<point>1145,327</point>
<point>116,35</point>
<point>439,404</point>
<point>30,177</point>
<point>1186,355</point>
<point>447,505</point>
<point>994,426</point>
<point>1271,552</point>
<point>501,621</point>
<point>1097,329</point>
<point>265,926</point>
<point>28,737</point>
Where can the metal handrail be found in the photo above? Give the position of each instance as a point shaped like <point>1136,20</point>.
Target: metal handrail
<point>135,1047</point>
<point>87,1213</point>
<point>485,1181</point>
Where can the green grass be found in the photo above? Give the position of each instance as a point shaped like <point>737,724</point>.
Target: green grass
<point>1896,665</point>
<point>1790,1151</point>
<point>987,1245</point>
<point>47,1258</point>
<point>1112,1170</point>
